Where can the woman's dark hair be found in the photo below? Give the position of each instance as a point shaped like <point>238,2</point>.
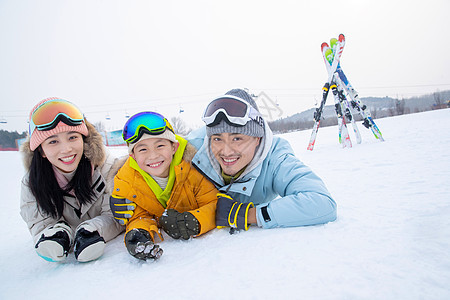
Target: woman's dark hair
<point>45,188</point>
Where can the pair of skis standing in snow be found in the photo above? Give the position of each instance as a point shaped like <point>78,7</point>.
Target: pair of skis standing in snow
<point>338,83</point>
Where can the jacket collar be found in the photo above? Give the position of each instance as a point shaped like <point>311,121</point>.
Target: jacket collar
<point>98,187</point>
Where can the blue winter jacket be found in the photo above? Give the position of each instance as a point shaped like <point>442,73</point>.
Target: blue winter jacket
<point>286,192</point>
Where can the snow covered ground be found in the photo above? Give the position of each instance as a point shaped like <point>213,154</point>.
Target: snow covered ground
<point>391,239</point>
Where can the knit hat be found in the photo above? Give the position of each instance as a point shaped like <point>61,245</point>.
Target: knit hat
<point>38,136</point>
<point>251,128</point>
<point>168,135</point>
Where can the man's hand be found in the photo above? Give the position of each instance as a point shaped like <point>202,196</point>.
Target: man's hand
<point>178,225</point>
<point>140,245</point>
<point>232,213</point>
<point>122,209</point>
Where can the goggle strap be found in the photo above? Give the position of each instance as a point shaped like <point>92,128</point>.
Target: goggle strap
<point>49,126</point>
<point>143,129</point>
<point>59,117</point>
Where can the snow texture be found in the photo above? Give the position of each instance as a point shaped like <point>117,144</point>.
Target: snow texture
<point>391,239</point>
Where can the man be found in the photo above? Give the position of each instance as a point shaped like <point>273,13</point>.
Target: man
<point>260,179</point>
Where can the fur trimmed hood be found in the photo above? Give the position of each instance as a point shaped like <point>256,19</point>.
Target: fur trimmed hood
<point>189,152</point>
<point>94,149</point>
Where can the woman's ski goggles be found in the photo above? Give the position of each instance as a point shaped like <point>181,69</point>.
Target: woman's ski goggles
<point>50,113</point>
<point>236,111</point>
<point>144,122</point>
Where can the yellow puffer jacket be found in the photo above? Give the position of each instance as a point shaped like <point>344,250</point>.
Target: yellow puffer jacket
<point>191,192</point>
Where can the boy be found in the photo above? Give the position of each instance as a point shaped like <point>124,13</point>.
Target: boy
<point>166,189</point>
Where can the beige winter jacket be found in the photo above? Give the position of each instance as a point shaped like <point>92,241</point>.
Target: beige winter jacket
<point>96,214</point>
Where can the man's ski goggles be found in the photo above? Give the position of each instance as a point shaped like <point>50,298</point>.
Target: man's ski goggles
<point>50,113</point>
<point>236,111</point>
<point>144,122</point>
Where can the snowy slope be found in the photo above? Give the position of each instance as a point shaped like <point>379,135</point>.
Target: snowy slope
<point>391,239</point>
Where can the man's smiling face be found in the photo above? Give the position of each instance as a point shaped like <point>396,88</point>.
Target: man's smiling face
<point>233,151</point>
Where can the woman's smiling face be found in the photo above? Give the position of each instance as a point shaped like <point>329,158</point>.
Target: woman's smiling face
<point>64,150</point>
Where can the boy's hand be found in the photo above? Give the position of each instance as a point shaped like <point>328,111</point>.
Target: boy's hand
<point>140,245</point>
<point>178,225</point>
<point>122,209</point>
<point>232,213</point>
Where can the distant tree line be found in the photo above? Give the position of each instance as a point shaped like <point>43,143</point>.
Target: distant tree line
<point>8,139</point>
<point>282,126</point>
<point>394,107</point>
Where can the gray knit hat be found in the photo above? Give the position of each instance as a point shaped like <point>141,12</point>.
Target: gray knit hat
<point>252,128</point>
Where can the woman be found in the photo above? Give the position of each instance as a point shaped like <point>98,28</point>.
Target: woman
<point>65,192</point>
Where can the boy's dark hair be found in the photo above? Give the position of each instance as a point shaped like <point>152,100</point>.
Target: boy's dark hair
<point>45,188</point>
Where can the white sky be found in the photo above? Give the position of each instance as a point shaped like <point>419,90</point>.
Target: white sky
<point>111,57</point>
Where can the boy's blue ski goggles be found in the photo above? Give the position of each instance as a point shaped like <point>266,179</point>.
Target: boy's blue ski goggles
<point>144,122</point>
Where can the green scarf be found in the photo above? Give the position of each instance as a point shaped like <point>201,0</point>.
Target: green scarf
<point>161,195</point>
<point>228,178</point>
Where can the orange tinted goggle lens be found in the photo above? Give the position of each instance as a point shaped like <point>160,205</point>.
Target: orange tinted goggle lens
<point>46,113</point>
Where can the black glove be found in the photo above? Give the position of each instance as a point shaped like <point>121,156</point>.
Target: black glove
<point>231,213</point>
<point>122,209</point>
<point>178,225</point>
<point>140,245</point>
<point>88,245</point>
<point>55,242</point>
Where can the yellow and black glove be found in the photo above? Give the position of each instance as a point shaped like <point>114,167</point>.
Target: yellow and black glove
<point>231,213</point>
<point>178,225</point>
<point>122,209</point>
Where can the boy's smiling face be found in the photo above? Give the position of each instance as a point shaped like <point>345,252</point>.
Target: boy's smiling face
<point>154,156</point>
